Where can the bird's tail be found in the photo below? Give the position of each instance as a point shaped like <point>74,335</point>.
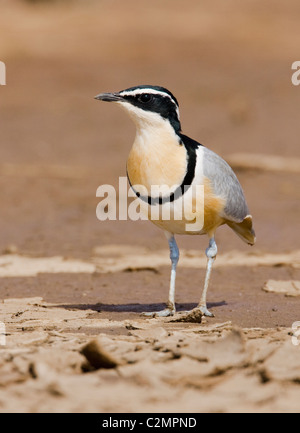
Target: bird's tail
<point>244,229</point>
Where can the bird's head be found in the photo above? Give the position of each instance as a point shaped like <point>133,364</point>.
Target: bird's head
<point>148,106</point>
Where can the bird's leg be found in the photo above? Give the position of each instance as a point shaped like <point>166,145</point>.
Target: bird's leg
<point>174,256</point>
<point>211,253</point>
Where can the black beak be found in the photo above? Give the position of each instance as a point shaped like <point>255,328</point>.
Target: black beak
<point>109,97</point>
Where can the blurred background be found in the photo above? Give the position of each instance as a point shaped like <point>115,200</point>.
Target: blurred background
<point>228,64</point>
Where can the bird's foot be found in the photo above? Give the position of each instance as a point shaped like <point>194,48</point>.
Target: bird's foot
<point>166,312</point>
<point>205,311</point>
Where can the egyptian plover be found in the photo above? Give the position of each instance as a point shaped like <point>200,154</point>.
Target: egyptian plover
<point>162,155</point>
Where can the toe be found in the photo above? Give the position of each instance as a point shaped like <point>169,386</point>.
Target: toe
<point>205,311</point>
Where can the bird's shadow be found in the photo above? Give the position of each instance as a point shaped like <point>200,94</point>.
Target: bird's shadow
<point>135,308</point>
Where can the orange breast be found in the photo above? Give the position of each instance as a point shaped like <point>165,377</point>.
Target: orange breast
<point>162,163</point>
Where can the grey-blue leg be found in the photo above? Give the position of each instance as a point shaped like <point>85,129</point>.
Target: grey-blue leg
<point>174,256</point>
<point>211,253</point>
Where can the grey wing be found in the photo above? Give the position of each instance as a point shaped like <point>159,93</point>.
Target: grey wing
<point>226,185</point>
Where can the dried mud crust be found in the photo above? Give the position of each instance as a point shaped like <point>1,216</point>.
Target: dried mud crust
<point>50,364</point>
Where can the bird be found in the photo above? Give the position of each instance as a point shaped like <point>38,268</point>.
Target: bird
<point>162,155</point>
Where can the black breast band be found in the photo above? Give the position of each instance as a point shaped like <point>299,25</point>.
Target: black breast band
<point>191,147</point>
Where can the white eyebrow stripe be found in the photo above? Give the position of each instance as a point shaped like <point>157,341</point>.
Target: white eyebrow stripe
<point>152,91</point>
<point>145,90</point>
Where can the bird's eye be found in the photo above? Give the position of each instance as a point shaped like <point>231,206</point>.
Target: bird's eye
<point>145,97</point>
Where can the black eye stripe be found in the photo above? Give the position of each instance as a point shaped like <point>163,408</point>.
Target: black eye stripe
<point>145,97</point>
<point>156,103</point>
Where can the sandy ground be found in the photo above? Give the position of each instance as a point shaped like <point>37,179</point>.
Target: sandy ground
<point>67,278</point>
